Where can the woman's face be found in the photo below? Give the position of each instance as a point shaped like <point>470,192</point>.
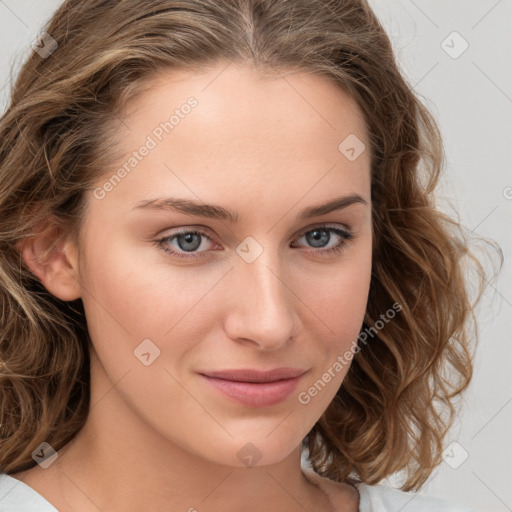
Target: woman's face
<point>266,279</point>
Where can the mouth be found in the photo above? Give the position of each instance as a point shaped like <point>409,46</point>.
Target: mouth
<point>255,388</point>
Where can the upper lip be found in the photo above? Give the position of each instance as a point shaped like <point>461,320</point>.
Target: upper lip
<point>253,375</point>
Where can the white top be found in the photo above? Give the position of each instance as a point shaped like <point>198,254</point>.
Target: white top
<point>16,496</point>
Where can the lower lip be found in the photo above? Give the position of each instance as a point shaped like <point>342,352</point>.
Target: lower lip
<point>256,394</point>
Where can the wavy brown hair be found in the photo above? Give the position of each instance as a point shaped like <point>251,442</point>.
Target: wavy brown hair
<point>57,140</point>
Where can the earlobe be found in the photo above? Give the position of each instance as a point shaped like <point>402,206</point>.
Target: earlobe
<point>52,257</point>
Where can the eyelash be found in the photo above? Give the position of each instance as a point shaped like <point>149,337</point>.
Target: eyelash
<point>345,235</point>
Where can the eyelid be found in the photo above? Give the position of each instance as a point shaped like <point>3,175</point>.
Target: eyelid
<point>320,225</point>
<point>206,231</point>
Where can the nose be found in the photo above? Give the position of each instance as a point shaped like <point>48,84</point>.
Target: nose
<point>261,308</point>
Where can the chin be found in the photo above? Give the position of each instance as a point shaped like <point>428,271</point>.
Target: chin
<point>247,451</point>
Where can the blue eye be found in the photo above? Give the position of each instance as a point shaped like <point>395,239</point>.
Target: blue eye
<point>320,236</point>
<point>190,240</point>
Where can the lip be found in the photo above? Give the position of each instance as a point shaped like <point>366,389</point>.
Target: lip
<point>256,388</point>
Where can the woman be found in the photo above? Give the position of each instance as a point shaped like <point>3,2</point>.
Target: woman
<point>219,254</point>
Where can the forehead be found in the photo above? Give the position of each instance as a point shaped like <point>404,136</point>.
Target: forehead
<point>231,96</point>
<point>229,130</point>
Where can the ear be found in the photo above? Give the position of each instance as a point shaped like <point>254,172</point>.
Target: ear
<point>51,255</point>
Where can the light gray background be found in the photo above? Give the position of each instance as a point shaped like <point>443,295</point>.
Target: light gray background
<point>471,97</point>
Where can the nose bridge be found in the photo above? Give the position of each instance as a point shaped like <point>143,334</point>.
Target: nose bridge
<point>263,302</point>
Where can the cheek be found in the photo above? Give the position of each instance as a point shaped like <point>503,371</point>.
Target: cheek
<point>333,357</point>
<point>127,302</point>
<point>340,298</point>
<point>134,291</point>
<point>339,305</point>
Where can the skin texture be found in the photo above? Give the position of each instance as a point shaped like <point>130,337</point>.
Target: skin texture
<point>160,434</point>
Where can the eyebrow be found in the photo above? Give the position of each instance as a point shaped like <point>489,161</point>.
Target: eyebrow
<point>211,211</point>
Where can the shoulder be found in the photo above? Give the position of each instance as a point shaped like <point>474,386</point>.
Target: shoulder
<point>382,498</point>
<point>16,496</point>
